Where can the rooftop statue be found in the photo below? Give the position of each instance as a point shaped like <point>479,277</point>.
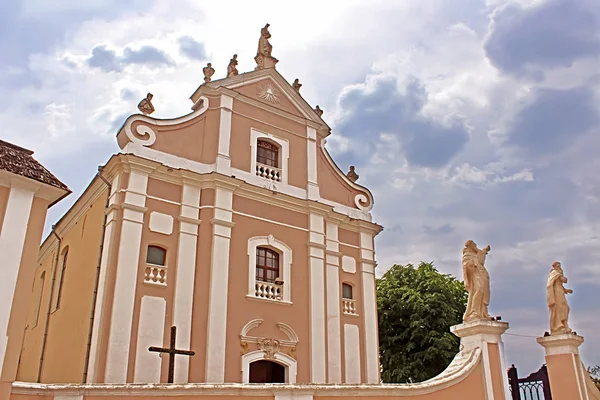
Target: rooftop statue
<point>557,300</point>
<point>297,85</point>
<point>263,58</point>
<point>477,282</point>
<point>145,106</point>
<point>352,175</point>
<point>232,67</point>
<point>318,111</point>
<point>208,71</point>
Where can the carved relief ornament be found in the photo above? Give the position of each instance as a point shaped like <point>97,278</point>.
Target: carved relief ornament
<point>270,347</point>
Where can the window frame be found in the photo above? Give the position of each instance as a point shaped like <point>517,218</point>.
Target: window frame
<point>348,285</point>
<point>156,246</point>
<point>285,264</point>
<point>264,159</point>
<point>283,154</point>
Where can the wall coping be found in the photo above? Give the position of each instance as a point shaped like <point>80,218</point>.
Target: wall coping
<point>461,367</point>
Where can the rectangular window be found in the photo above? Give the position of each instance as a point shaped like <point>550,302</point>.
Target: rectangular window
<point>346,291</point>
<point>267,265</point>
<point>267,153</point>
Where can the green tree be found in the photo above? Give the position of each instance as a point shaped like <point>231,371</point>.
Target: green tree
<point>416,307</point>
<point>595,375</point>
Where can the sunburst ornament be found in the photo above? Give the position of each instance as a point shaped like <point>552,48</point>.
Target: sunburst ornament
<point>267,92</point>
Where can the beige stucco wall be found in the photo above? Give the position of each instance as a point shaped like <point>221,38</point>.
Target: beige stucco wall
<point>68,325</point>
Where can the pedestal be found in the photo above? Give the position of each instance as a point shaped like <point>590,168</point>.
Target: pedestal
<point>487,336</point>
<point>565,370</point>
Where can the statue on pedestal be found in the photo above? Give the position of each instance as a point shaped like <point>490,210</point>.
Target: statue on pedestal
<point>263,58</point>
<point>208,71</point>
<point>557,300</point>
<point>477,282</point>
<point>232,67</point>
<point>145,106</point>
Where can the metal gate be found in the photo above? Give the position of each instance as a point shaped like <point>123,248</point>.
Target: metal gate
<point>535,387</point>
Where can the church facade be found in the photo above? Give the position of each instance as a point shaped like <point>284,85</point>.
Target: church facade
<point>231,224</point>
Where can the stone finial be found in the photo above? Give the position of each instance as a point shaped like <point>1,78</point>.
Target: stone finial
<point>318,111</point>
<point>297,85</point>
<point>477,282</point>
<point>352,175</point>
<point>263,58</point>
<point>208,71</point>
<point>145,106</point>
<point>232,67</point>
<point>557,300</point>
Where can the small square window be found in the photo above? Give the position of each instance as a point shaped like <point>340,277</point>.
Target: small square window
<point>156,255</point>
<point>347,291</point>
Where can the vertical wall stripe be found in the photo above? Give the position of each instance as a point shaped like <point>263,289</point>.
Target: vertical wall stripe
<point>223,159</point>
<point>150,333</point>
<point>369,307</point>
<point>219,275</point>
<point>12,240</point>
<point>117,359</point>
<point>334,341</point>
<point>317,299</point>
<point>184,283</point>
<point>99,314</point>
<point>352,353</point>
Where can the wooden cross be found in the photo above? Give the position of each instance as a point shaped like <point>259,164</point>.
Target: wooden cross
<point>172,352</point>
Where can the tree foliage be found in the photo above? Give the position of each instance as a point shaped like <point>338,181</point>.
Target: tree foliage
<point>416,307</point>
<point>595,375</point>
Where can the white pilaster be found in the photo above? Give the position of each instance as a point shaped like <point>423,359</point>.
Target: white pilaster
<point>316,254</point>
<point>12,241</point>
<point>151,332</point>
<point>478,334</point>
<point>126,278</point>
<point>369,307</point>
<point>186,272</point>
<point>223,159</point>
<point>352,354</point>
<point>219,275</point>
<point>334,356</point>
<point>312,189</point>
<point>107,251</point>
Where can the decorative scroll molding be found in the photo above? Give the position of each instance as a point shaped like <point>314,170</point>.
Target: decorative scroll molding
<point>364,200</point>
<point>146,136</point>
<point>289,332</point>
<point>250,325</point>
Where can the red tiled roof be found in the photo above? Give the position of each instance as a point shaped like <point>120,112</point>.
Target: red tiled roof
<point>19,161</point>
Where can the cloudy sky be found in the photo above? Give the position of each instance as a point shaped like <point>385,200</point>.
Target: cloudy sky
<point>466,118</point>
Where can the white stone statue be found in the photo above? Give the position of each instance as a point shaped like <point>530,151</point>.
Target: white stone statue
<point>477,282</point>
<point>556,294</point>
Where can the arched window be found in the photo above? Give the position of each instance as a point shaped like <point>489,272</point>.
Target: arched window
<point>267,265</point>
<point>156,255</point>
<point>347,291</point>
<point>61,278</point>
<point>38,303</point>
<point>267,153</point>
